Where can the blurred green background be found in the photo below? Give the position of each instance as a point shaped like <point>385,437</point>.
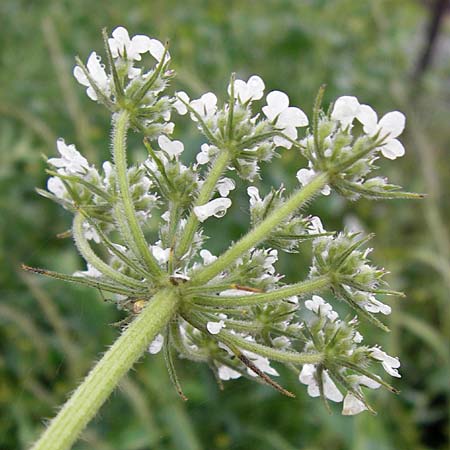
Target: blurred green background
<point>51,332</point>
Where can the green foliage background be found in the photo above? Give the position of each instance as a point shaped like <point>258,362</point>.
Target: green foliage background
<point>50,332</point>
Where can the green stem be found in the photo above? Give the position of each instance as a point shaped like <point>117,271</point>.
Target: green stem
<point>89,255</point>
<point>105,376</point>
<point>204,195</point>
<point>305,287</point>
<point>261,231</point>
<point>121,125</point>
<point>269,352</point>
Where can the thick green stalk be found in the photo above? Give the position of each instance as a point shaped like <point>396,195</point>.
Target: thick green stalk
<point>120,129</point>
<point>85,402</point>
<point>305,287</point>
<point>261,231</point>
<point>204,195</point>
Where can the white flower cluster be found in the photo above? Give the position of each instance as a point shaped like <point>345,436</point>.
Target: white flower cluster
<point>336,143</point>
<point>77,184</point>
<point>357,280</point>
<point>252,139</point>
<point>124,80</point>
<point>341,340</point>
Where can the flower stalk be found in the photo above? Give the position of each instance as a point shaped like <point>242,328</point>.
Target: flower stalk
<point>88,398</point>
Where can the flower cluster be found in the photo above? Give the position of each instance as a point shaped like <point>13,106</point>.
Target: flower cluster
<point>347,142</point>
<point>125,86</point>
<point>249,138</point>
<point>234,311</point>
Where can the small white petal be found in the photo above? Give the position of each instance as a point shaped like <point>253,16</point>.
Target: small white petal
<point>180,102</point>
<point>393,149</point>
<point>368,117</point>
<point>293,117</point>
<point>224,186</point>
<point>140,44</point>
<point>304,176</point>
<point>392,124</point>
<point>315,225</point>
<point>277,102</point>
<point>330,389</point>
<point>368,382</point>
<point>160,254</point>
<point>156,345</point>
<point>157,50</point>
<point>345,110</point>
<point>207,256</point>
<point>173,148</point>
<point>253,193</point>
<point>307,374</point>
<point>215,327</point>
<point>216,207</point>
<point>226,373</point>
<point>56,187</point>
<point>352,405</point>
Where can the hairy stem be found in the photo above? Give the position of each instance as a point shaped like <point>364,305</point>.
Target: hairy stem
<point>120,129</point>
<point>261,231</point>
<point>106,374</point>
<point>88,254</point>
<point>204,195</point>
<point>305,287</point>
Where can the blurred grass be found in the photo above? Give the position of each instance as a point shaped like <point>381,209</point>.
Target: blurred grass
<point>50,333</point>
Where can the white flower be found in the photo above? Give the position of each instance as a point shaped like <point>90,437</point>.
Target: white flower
<point>308,376</point>
<point>207,256</point>
<point>304,176</point>
<point>172,148</point>
<point>253,89</point>
<point>345,110</point>
<point>224,186</point>
<point>319,306</point>
<point>226,373</point>
<point>217,207</point>
<point>389,363</point>
<point>131,49</point>
<point>215,327</point>
<point>286,118</point>
<point>205,106</point>
<point>98,75</point>
<point>371,304</point>
<point>358,337</point>
<point>71,161</point>
<point>56,187</point>
<point>315,225</point>
<point>253,193</point>
<point>352,405</point>
<point>390,126</point>
<point>203,156</point>
<point>161,254</point>
<point>156,345</point>
<point>180,103</point>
